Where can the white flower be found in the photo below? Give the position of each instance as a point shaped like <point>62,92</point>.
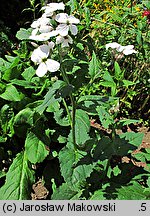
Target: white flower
<point>112,45</point>
<point>42,23</point>
<point>126,50</point>
<point>40,57</point>
<point>42,36</point>
<point>42,30</point>
<point>66,23</point>
<point>51,7</point>
<point>64,41</point>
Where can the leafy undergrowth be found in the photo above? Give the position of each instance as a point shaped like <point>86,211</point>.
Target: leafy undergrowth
<point>61,111</point>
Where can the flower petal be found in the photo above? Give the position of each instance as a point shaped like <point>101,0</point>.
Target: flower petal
<point>61,18</point>
<point>45,29</point>
<point>62,29</point>
<point>73,29</point>
<point>59,39</point>
<point>112,45</point>
<point>52,65</point>
<point>72,19</point>
<point>42,70</point>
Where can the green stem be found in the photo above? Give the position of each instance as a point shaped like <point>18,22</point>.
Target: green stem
<point>67,110</point>
<point>73,103</point>
<point>73,120</point>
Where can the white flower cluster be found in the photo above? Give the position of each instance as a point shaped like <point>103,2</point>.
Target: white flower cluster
<point>126,50</point>
<point>46,27</point>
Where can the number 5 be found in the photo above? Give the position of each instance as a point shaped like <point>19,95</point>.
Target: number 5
<point>143,207</point>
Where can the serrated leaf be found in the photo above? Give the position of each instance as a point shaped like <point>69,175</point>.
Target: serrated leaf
<point>104,116</point>
<point>23,34</point>
<point>19,180</point>
<point>123,122</point>
<point>82,126</point>
<point>49,97</point>
<point>25,116</point>
<point>131,192</point>
<point>35,148</point>
<point>11,93</point>
<point>93,66</point>
<point>65,192</point>
<point>98,195</point>
<point>133,138</point>
<point>60,119</point>
<point>73,173</point>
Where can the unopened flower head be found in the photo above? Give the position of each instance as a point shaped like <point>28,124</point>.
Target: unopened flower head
<point>66,23</point>
<point>40,57</point>
<point>50,8</point>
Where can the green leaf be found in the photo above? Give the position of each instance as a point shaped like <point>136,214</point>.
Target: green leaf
<point>104,116</point>
<point>19,180</point>
<point>118,73</point>
<point>93,66</point>
<point>128,83</point>
<point>82,126</point>
<point>123,122</point>
<point>73,174</point>
<point>87,16</point>
<point>25,116</point>
<point>115,17</point>
<point>131,192</point>
<point>49,97</point>
<point>35,148</point>
<point>65,192</point>
<point>2,174</point>
<point>116,171</point>
<point>28,73</point>
<point>13,70</point>
<point>60,118</point>
<point>23,83</point>
<point>11,94</point>
<point>98,195</point>
<point>23,34</point>
<point>133,138</point>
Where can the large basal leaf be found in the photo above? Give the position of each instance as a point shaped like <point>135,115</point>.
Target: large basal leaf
<point>11,94</point>
<point>19,180</point>
<point>23,34</point>
<point>131,192</point>
<point>71,172</point>
<point>82,126</point>
<point>65,192</point>
<point>49,97</point>
<point>35,148</point>
<point>94,66</point>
